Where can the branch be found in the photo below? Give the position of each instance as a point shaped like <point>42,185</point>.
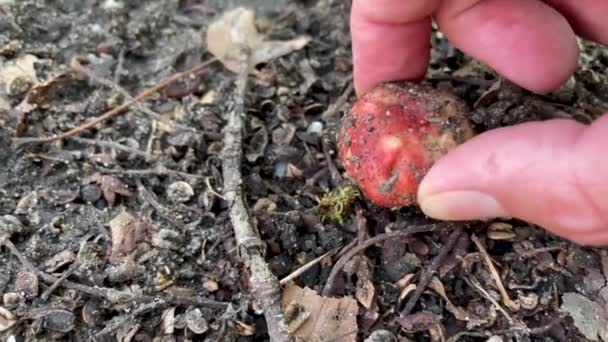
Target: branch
<point>428,274</point>
<point>329,285</point>
<point>265,285</point>
<point>116,110</point>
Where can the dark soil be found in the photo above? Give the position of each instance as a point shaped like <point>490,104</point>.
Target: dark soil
<point>133,204</point>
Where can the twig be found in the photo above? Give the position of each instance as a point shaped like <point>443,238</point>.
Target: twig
<point>486,257</point>
<point>475,284</point>
<point>428,274</point>
<point>340,102</point>
<point>333,170</point>
<point>115,325</point>
<point>116,110</point>
<point>119,66</point>
<point>361,247</point>
<point>77,65</point>
<point>149,197</point>
<point>265,285</point>
<point>211,190</point>
<point>111,295</point>
<point>303,269</point>
<point>113,145</point>
<point>536,251</point>
<point>159,170</point>
<point>73,267</point>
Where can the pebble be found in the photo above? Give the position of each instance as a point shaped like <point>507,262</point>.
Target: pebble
<point>180,192</point>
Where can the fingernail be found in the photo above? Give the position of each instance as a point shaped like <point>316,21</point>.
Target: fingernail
<point>461,205</point>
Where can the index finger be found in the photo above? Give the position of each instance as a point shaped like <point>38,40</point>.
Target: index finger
<point>391,40</point>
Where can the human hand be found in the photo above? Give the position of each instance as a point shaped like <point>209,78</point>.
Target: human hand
<point>551,173</point>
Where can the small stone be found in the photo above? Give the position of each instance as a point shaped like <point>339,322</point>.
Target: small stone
<point>180,192</point>
<point>12,299</point>
<point>27,284</point>
<point>381,335</point>
<point>315,127</point>
<point>90,193</point>
<point>196,322</point>
<point>26,203</point>
<point>529,301</point>
<point>265,204</point>
<point>10,225</point>
<point>59,320</point>
<point>397,269</point>
<point>418,247</point>
<point>91,313</point>
<point>20,86</point>
<point>211,285</point>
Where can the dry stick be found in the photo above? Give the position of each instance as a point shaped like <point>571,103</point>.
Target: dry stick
<point>116,110</point>
<point>111,295</point>
<point>265,285</point>
<point>340,102</point>
<point>513,305</point>
<point>115,325</point>
<point>303,269</point>
<point>76,64</point>
<point>358,249</point>
<point>63,277</point>
<point>428,274</point>
<point>159,170</point>
<point>475,284</point>
<point>113,145</point>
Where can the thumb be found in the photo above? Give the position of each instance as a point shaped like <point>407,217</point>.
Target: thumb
<point>553,174</point>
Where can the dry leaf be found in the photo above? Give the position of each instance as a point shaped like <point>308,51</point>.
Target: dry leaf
<point>167,323</point>
<point>366,294</point>
<point>458,312</point>
<point>328,318</point>
<point>589,317</point>
<point>244,329</point>
<point>7,319</point>
<point>236,29</point>
<point>127,231</point>
<point>21,70</point>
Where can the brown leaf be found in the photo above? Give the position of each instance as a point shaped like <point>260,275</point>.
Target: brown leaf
<point>236,29</point>
<point>458,312</point>
<point>127,230</point>
<point>366,293</point>
<point>328,318</point>
<point>111,186</point>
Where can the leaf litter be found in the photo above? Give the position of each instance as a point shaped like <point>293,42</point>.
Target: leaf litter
<point>320,318</point>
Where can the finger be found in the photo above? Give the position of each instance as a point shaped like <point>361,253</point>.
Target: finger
<point>551,173</point>
<point>390,40</point>
<point>526,41</point>
<point>587,17</point>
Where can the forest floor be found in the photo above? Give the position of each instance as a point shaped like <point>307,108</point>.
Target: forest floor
<point>122,230</point>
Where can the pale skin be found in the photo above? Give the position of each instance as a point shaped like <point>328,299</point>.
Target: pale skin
<point>552,173</point>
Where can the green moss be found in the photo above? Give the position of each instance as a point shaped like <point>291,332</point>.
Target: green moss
<point>335,205</point>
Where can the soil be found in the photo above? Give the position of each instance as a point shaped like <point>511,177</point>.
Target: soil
<point>133,206</point>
